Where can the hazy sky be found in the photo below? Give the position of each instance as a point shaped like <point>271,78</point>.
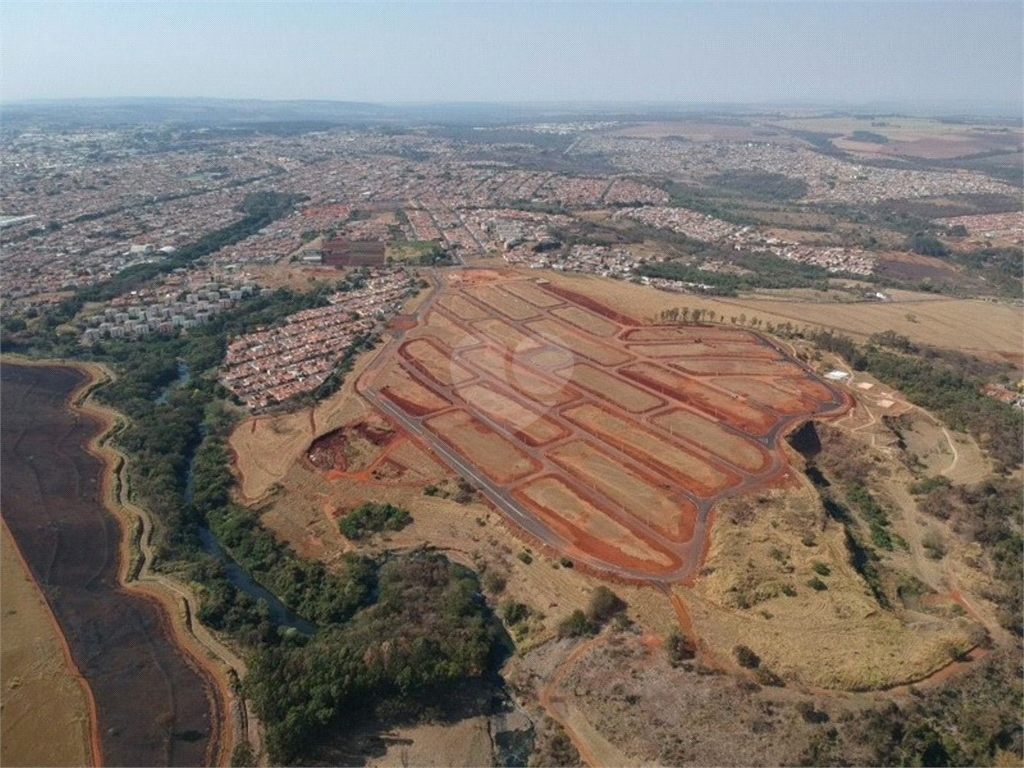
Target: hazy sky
<point>723,52</point>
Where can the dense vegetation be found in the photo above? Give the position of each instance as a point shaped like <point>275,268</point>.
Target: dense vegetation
<point>771,186</point>
<point>766,271</point>
<point>390,634</point>
<point>371,518</point>
<point>428,630</point>
<point>604,604</point>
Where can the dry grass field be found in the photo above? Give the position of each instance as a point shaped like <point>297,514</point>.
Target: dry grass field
<point>986,329</point>
<point>753,558</point>
<point>44,715</point>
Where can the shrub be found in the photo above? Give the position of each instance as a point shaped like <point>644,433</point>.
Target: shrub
<point>565,562</point>
<point>576,625</point>
<point>746,657</point>
<point>821,569</point>
<point>680,648</point>
<point>934,545</point>
<point>513,612</point>
<point>525,558</point>
<point>817,584</point>
<point>603,605</point>
<point>789,590</point>
<point>765,676</point>
<point>810,714</point>
<point>373,518</point>
<point>493,582</point>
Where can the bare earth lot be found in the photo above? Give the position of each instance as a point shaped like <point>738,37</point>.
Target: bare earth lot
<point>634,456</point>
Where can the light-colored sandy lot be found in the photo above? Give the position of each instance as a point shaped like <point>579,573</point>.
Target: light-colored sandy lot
<point>44,718</point>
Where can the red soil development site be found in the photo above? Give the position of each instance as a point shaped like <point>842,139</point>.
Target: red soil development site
<point>596,436</point>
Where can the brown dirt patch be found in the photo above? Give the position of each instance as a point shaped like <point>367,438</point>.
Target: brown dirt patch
<point>701,347</point>
<point>512,307</point>
<point>592,531</point>
<point>526,381</point>
<point>529,425</point>
<point>495,455</point>
<point>690,471</point>
<point>407,393</point>
<point>739,451</point>
<point>622,393</point>
<point>723,366</point>
<point>434,362</point>
<point>713,402</point>
<point>461,308</point>
<point>636,493</point>
<point>586,346</point>
<point>531,293</point>
<point>586,321</point>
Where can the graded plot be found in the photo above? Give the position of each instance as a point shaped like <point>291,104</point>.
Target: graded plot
<point>716,440</point>
<point>785,396</point>
<point>434,362</point>
<point>409,395</point>
<point>724,366</point>
<point>520,378</point>
<point>589,529</point>
<point>512,307</point>
<point>697,475</point>
<point>509,336</point>
<point>706,348</point>
<point>590,303</point>
<point>531,293</point>
<point>613,389</point>
<point>530,426</point>
<point>550,359</point>
<point>721,405</point>
<point>634,494</point>
<point>445,330</point>
<point>497,457</point>
<point>461,308</point>
<point>556,332</point>
<point>687,332</point>
<point>586,321</point>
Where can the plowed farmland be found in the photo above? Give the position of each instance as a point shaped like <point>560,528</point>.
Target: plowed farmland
<point>602,438</point>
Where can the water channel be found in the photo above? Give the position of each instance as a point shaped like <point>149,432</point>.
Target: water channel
<point>237,575</point>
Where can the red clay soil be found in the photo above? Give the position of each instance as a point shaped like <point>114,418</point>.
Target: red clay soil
<point>693,487</point>
<point>407,405</point>
<point>402,322</point>
<point>692,392</point>
<point>155,705</point>
<point>328,452</point>
<point>591,304</point>
<point>590,545</point>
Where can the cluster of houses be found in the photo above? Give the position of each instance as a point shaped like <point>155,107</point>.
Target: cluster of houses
<point>272,365</point>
